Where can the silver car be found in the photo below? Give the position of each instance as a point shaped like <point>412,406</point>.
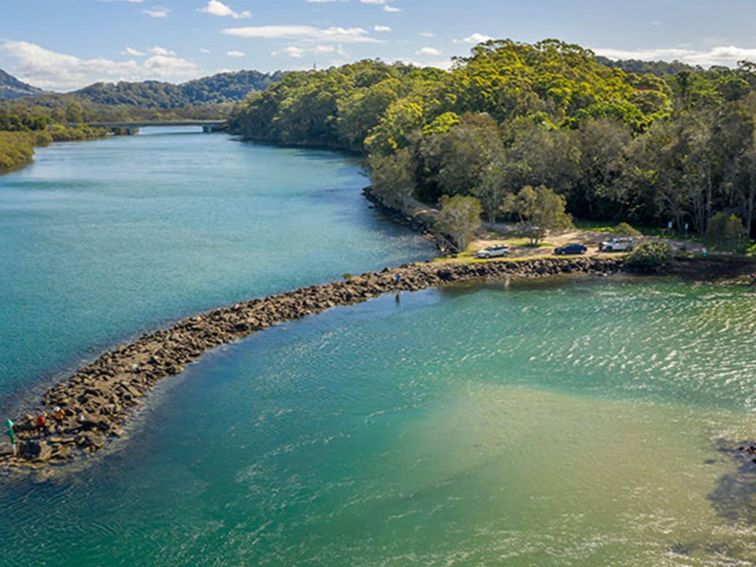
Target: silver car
<point>493,252</point>
<point>617,245</point>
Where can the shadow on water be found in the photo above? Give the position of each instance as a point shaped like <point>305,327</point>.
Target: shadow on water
<point>734,497</point>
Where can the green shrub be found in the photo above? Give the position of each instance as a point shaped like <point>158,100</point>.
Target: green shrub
<point>650,255</point>
<point>624,229</point>
<point>16,149</point>
<point>459,218</point>
<point>725,232</point>
<point>751,250</point>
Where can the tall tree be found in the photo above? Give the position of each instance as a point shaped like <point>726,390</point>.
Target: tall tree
<point>393,179</point>
<point>540,211</point>
<point>459,218</point>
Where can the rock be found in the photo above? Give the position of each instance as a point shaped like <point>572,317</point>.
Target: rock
<point>35,450</point>
<point>90,440</point>
<point>94,422</point>
<point>96,399</point>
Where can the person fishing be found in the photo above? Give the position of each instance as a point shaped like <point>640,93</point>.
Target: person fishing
<point>11,436</point>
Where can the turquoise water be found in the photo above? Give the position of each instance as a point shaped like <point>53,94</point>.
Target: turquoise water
<point>105,239</point>
<point>571,422</point>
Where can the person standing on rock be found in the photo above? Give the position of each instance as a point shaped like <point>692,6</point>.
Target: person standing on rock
<point>12,436</point>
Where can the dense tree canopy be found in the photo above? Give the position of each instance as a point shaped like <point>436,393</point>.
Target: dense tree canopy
<point>617,141</point>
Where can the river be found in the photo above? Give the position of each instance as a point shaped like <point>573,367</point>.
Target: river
<point>570,422</point>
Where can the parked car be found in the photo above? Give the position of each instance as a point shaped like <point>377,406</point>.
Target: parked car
<point>493,252</point>
<point>617,245</point>
<point>571,249</point>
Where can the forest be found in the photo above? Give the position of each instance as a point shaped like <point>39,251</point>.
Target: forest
<point>668,143</point>
<point>216,89</point>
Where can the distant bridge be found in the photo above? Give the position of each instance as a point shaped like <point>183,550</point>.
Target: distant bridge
<point>133,126</point>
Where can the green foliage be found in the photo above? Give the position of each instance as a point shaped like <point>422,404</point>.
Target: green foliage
<point>383,104</point>
<point>540,211</point>
<point>650,255</point>
<point>659,68</point>
<point>751,250</point>
<point>506,79</point>
<point>625,229</point>
<point>395,127</point>
<point>726,232</point>
<point>206,98</point>
<point>628,141</point>
<point>23,122</point>
<point>460,157</point>
<point>442,124</point>
<point>459,219</point>
<point>16,149</point>
<point>393,179</point>
<point>77,134</point>
<point>220,88</point>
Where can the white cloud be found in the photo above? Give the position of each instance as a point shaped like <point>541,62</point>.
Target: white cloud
<point>293,51</point>
<point>156,12</point>
<point>58,71</point>
<point>234,53</point>
<point>382,29</point>
<point>474,39</point>
<point>204,50</point>
<point>438,63</point>
<point>720,55</point>
<point>218,8</point>
<point>304,33</point>
<point>157,50</point>
<point>298,51</point>
<point>387,6</point>
<point>429,52</point>
<point>427,34</point>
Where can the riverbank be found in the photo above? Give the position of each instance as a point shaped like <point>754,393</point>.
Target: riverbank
<point>17,148</point>
<point>96,402</point>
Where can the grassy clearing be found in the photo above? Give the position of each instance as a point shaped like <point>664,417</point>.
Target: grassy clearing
<point>468,257</point>
<point>609,228</point>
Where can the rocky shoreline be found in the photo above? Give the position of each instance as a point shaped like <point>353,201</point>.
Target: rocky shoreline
<point>91,408</point>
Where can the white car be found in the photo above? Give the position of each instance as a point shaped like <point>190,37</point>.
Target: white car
<point>493,252</point>
<point>617,245</point>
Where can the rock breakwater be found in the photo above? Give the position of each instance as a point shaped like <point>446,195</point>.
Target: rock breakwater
<point>81,414</point>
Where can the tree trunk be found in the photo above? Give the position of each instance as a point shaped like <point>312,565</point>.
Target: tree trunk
<point>751,201</point>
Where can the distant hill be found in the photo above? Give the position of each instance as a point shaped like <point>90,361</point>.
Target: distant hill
<point>217,89</point>
<point>11,87</point>
<point>658,68</point>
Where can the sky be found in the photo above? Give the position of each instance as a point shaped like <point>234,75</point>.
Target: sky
<point>63,45</point>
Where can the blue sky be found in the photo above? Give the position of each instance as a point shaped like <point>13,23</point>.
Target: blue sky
<point>66,44</point>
